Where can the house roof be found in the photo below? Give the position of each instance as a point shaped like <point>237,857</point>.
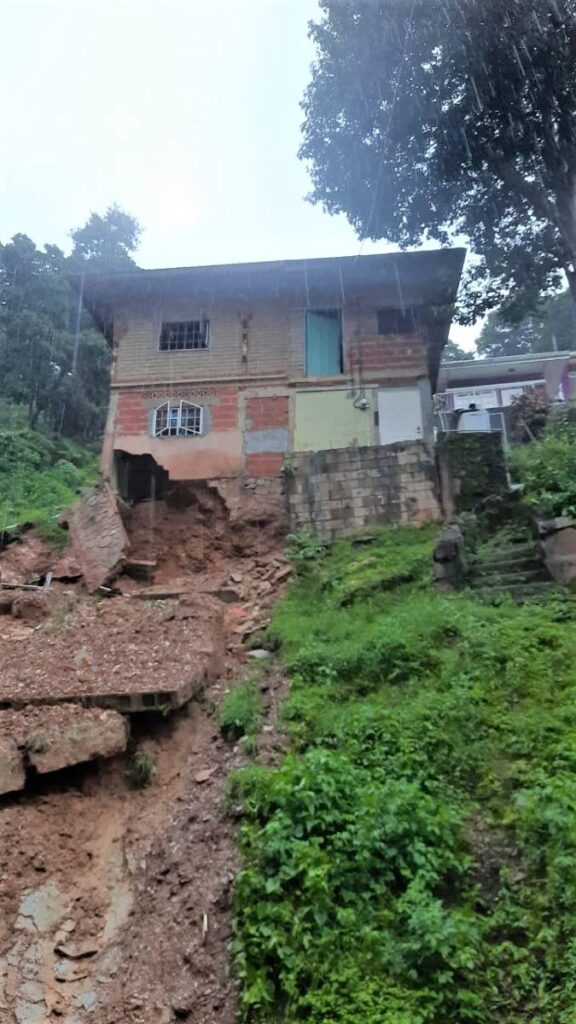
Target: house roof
<point>427,278</point>
<point>499,369</point>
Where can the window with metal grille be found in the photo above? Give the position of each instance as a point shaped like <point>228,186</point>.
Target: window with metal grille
<point>396,321</point>
<point>178,419</point>
<point>179,335</point>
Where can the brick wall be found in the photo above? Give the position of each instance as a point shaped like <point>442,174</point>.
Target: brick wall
<point>267,412</point>
<point>137,334</point>
<point>334,493</point>
<point>266,436</point>
<point>388,355</point>
<point>274,332</point>
<point>132,415</point>
<point>224,411</point>
<point>264,464</point>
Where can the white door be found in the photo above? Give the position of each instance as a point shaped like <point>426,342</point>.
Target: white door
<point>399,415</point>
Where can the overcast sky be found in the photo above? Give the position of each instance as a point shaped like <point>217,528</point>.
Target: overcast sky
<point>184,112</point>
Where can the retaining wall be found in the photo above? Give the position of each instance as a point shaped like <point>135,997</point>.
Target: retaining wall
<point>333,493</point>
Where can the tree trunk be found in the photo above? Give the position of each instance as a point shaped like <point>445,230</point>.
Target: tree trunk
<point>571,278</point>
<point>566,207</point>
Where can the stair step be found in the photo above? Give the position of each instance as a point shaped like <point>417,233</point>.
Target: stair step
<point>503,565</point>
<point>506,579</point>
<point>514,551</point>
<point>520,593</point>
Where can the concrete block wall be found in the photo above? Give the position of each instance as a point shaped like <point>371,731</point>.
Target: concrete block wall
<point>334,493</point>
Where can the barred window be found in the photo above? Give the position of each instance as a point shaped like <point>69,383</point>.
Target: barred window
<point>396,321</point>
<point>179,335</point>
<point>178,419</point>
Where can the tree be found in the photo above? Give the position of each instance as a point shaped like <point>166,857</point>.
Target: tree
<point>106,242</point>
<point>453,352</point>
<point>426,118</point>
<point>551,328</point>
<point>53,364</point>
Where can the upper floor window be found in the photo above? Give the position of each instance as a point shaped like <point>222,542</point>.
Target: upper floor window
<point>396,321</point>
<point>178,335</point>
<point>178,419</point>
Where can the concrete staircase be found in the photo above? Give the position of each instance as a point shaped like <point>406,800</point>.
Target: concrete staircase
<point>515,570</point>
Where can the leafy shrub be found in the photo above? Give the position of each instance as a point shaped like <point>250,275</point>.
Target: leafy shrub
<point>547,468</point>
<point>304,549</point>
<point>241,711</point>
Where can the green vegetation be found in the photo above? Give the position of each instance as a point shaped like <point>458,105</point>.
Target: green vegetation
<point>39,477</point>
<point>241,713</point>
<point>141,768</point>
<point>54,379</point>
<point>413,860</point>
<point>547,467</point>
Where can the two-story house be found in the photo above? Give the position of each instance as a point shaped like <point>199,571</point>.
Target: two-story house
<point>225,371</point>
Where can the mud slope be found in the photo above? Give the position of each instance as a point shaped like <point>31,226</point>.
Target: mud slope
<point>113,901</point>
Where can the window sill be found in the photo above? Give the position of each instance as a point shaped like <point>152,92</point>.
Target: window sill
<point>342,380</point>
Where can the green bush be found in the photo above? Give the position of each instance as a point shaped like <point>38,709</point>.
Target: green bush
<point>413,860</point>
<point>40,477</point>
<point>241,711</point>
<point>547,468</point>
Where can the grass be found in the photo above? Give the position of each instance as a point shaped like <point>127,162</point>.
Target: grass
<point>141,768</point>
<point>413,860</point>
<point>241,713</point>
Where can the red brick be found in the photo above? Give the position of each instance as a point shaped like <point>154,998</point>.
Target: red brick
<point>264,464</point>
<point>224,412</point>
<point>267,412</point>
<point>132,416</point>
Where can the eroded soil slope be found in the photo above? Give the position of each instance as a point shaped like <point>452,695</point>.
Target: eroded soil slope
<point>114,900</point>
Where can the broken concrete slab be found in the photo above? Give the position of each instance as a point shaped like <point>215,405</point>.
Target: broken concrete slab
<point>122,654</point>
<point>59,737</point>
<point>51,738</point>
<point>99,539</point>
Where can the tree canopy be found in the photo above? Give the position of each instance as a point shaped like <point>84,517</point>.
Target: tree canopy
<point>55,365</point>
<point>454,352</point>
<point>106,242</point>
<point>430,118</point>
<point>551,328</point>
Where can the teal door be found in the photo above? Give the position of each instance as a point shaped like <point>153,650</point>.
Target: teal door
<point>323,343</point>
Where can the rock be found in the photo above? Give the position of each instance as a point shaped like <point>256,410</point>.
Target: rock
<point>283,574</point>
<point>31,607</point>
<point>77,950</point>
<point>259,653</point>
<point>229,595</point>
<point>559,546</point>
<point>12,773</point>
<point>236,577</point>
<point>204,775</point>
<point>182,1005</point>
<point>548,526</point>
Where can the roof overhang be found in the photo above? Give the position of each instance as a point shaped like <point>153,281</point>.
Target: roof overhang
<point>427,280</point>
<point>500,368</point>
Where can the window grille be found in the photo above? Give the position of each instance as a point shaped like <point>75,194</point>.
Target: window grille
<point>180,335</point>
<point>178,419</point>
<point>396,321</point>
